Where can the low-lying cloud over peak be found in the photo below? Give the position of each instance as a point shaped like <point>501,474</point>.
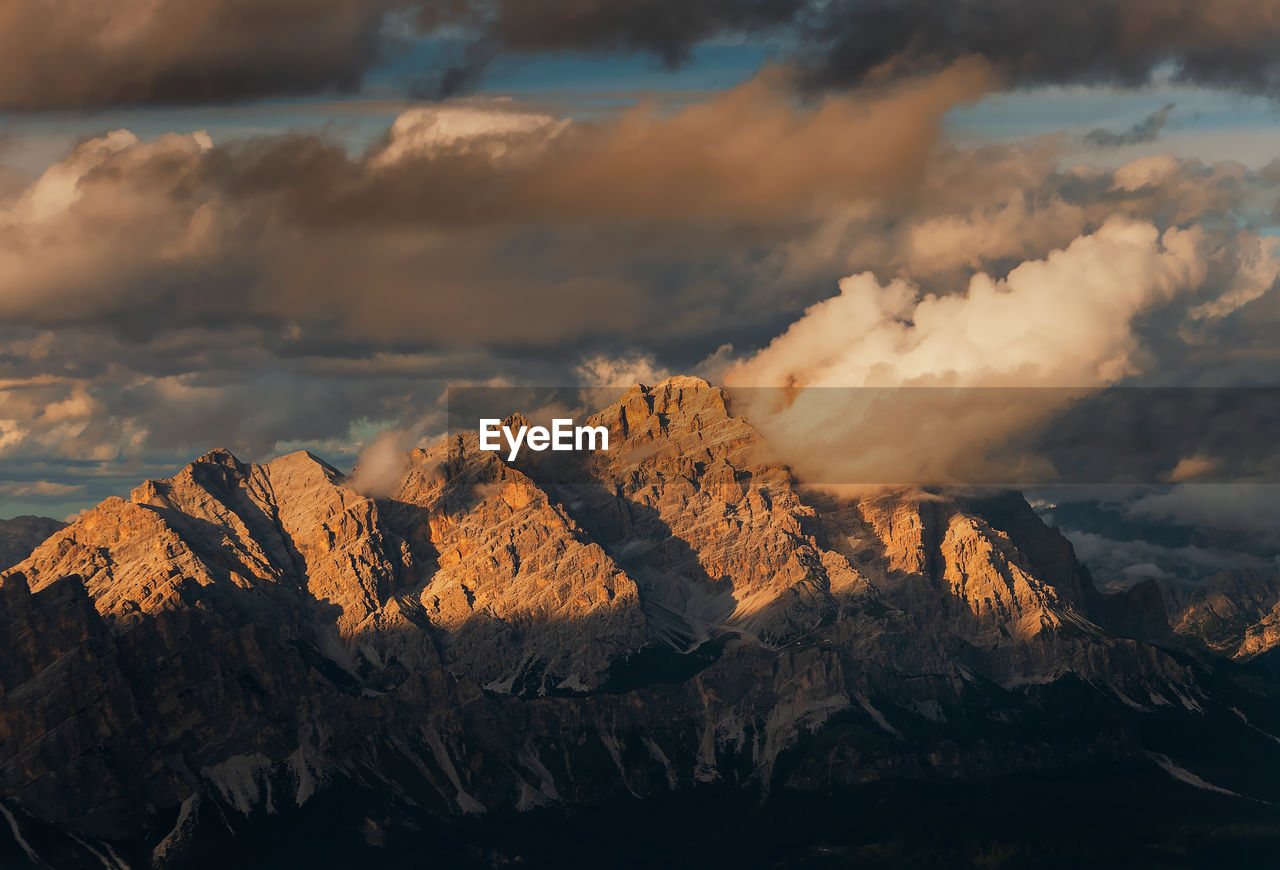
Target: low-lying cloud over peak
<point>1045,336</point>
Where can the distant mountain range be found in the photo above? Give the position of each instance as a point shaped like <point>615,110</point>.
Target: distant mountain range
<point>20,535</point>
<point>261,654</point>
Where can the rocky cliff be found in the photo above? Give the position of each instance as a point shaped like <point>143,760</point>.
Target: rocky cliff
<point>1235,613</point>
<point>239,643</point>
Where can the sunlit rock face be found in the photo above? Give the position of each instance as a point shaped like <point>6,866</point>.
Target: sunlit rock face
<point>237,641</point>
<point>1237,613</point>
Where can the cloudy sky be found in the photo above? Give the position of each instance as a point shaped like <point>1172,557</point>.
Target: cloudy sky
<point>287,224</point>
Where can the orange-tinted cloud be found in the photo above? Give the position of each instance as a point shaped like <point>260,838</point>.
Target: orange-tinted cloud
<point>422,237</point>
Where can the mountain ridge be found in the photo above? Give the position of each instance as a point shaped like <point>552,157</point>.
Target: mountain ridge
<point>232,641</point>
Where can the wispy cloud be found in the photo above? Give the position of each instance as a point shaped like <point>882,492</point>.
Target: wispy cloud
<point>1146,130</point>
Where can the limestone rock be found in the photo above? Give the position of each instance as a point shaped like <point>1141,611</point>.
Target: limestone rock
<point>715,537</point>
<point>525,601</point>
<point>1237,612</point>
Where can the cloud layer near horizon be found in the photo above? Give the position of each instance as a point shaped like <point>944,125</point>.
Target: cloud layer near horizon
<point>158,295</point>
<point>162,297</point>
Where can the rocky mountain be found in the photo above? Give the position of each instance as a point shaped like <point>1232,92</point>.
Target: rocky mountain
<point>249,648</point>
<point>20,535</point>
<point>1235,613</point>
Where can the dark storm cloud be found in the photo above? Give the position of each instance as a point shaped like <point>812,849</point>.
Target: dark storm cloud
<point>1225,43</point>
<point>840,43</point>
<point>666,29</point>
<point>78,54</point>
<point>75,54</point>
<point>1145,130</point>
<point>84,54</point>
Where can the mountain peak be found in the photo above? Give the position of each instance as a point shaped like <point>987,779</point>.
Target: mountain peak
<point>681,382</point>
<point>678,411</point>
<point>301,460</point>
<point>219,456</point>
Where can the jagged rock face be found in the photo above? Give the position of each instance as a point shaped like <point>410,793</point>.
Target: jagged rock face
<point>232,641</point>
<point>20,535</point>
<point>980,586</point>
<point>972,598</point>
<point>321,536</point>
<point>525,601</point>
<point>63,692</point>
<point>1262,636</point>
<point>102,724</point>
<point>1236,613</point>
<point>714,537</point>
<point>924,542</point>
